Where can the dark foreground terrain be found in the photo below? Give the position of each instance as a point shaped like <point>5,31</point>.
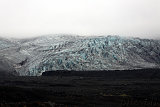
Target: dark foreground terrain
<point>134,88</point>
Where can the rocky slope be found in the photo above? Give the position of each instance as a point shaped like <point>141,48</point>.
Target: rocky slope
<point>66,52</point>
<point>6,68</point>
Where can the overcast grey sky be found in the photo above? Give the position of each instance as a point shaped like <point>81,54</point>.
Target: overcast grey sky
<point>26,18</point>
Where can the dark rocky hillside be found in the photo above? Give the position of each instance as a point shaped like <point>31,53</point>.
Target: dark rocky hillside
<point>6,68</point>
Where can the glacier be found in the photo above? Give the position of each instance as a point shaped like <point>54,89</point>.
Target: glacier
<point>33,56</point>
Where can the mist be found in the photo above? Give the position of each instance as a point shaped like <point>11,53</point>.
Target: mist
<point>30,18</point>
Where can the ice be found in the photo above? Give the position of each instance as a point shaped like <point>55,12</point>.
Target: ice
<point>69,52</point>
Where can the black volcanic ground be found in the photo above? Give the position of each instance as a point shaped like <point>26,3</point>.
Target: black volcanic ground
<point>130,88</point>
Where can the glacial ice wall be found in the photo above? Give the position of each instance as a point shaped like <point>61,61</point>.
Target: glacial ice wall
<point>99,53</point>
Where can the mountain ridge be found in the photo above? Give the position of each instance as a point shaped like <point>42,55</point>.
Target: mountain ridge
<point>69,52</point>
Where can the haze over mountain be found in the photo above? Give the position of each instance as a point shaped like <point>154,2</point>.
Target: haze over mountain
<point>33,56</point>
<point>28,18</point>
